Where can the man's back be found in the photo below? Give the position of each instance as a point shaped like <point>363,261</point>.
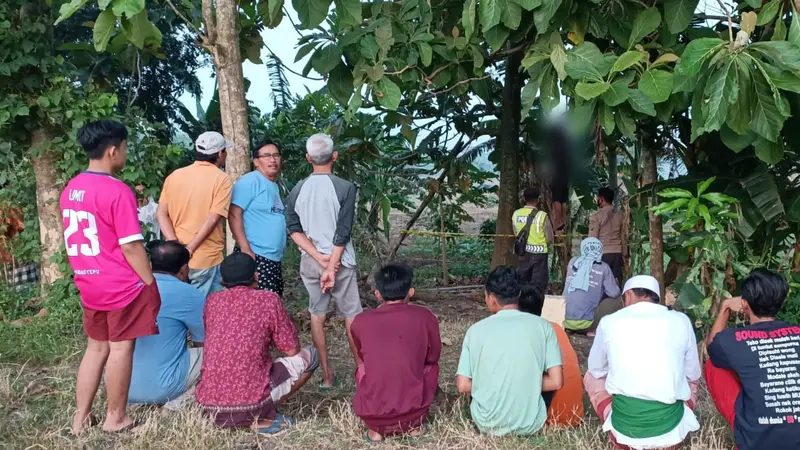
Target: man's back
<point>540,234</point>
<point>323,207</point>
<point>100,216</point>
<point>191,193</point>
<point>766,359</point>
<point>606,225</point>
<point>241,325</point>
<point>646,352</point>
<point>161,361</point>
<point>505,356</point>
<point>396,342</point>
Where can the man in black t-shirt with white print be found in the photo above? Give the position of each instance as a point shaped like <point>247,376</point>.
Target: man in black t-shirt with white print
<point>753,374</point>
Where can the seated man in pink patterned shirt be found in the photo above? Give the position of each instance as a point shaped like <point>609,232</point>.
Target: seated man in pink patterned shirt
<point>241,384</point>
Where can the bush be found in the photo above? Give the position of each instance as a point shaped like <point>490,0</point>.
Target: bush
<point>489,226</point>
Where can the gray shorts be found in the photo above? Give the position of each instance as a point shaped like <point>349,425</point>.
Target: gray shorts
<point>344,292</point>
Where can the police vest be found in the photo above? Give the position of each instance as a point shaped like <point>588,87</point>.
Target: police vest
<point>537,241</point>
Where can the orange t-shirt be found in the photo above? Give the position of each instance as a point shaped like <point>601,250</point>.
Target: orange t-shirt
<point>190,194</point>
<point>566,409</point>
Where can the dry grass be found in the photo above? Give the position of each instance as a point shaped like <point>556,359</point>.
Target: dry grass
<point>36,405</point>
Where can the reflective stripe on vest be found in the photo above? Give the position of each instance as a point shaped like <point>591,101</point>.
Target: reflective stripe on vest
<point>537,242</point>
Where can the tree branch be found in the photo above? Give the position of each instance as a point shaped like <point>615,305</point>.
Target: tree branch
<point>504,53</point>
<point>185,19</point>
<point>458,84</point>
<point>209,22</point>
<point>278,60</point>
<point>703,16</point>
<point>730,20</point>
<point>484,132</point>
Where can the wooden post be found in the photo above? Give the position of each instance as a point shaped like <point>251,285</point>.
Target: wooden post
<point>445,269</point>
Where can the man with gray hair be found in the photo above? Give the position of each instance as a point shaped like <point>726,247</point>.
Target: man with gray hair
<point>320,212</point>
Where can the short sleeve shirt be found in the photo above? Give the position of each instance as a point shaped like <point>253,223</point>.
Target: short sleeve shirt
<point>505,356</point>
<point>264,220</point>
<point>191,194</point>
<point>766,357</point>
<point>241,326</point>
<point>161,361</point>
<point>100,215</point>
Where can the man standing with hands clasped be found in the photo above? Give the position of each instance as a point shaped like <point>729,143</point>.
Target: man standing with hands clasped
<point>319,217</point>
<point>193,203</point>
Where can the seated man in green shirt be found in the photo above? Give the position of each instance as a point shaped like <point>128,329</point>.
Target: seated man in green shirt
<point>506,381</point>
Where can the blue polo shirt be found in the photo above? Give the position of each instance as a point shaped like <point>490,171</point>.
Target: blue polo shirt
<point>264,222</point>
<point>161,361</point>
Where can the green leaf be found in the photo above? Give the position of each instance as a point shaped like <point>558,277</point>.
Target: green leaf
<point>477,57</point>
<point>127,7</point>
<point>698,106</point>
<point>311,12</point>
<point>590,90</point>
<point>767,120</point>
<point>512,15</point>
<point>641,102</point>
<point>468,18</point>
<point>550,96</point>
<point>768,12</point>
<point>782,53</point>
<point>736,142</point>
<point>645,23</point>
<point>794,30</point>
<point>769,152</point>
<point>689,297</point>
<point>496,37</point>
<point>668,207</point>
<point>664,110</point>
<point>103,4</point>
<point>103,29</point>
<point>627,60</point>
<point>617,94</point>
<point>755,4</point>
<point>348,11</point>
<point>719,199</point>
<point>23,111</point>
<point>607,119</point>
<point>656,84</point>
<point>138,28</point>
<point>703,211</point>
<point>68,9</point>
<point>425,53</point>
<point>326,58</point>
<point>369,47</point>
<point>678,14</point>
<point>582,62</point>
<point>719,89</point>
<point>275,11</point>
<point>528,5</point>
<point>703,185</point>
<point>582,116</point>
<point>386,209</point>
<point>383,35</point>
<point>675,193</point>
<point>559,59</point>
<point>389,94</point>
<point>543,14</point>
<point>763,191</point>
<point>528,97</point>
<point>783,79</point>
<point>738,118</point>
<point>491,11</point>
<point>779,32</point>
<point>625,123</point>
<point>695,55</point>
<point>340,84</point>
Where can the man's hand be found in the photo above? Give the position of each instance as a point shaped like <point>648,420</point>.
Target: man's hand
<point>322,259</point>
<point>733,304</point>
<point>328,279</point>
<point>191,247</point>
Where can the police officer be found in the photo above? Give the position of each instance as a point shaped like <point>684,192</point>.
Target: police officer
<point>533,263</point>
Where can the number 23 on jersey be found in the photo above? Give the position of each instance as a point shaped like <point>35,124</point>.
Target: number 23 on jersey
<point>75,221</point>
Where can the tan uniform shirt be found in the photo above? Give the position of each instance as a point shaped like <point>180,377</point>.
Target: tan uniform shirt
<point>191,193</point>
<point>606,225</point>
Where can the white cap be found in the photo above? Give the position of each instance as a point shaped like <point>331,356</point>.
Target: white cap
<point>643,282</point>
<point>211,143</point>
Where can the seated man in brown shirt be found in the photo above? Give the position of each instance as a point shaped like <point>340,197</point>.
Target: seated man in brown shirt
<point>606,225</point>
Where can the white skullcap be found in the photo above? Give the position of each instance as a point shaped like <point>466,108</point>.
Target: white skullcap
<point>643,282</point>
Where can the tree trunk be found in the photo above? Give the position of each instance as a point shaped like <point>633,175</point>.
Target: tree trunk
<point>508,146</point>
<point>51,228</point>
<point>613,179</point>
<point>796,260</point>
<point>223,42</point>
<point>432,190</point>
<point>650,176</point>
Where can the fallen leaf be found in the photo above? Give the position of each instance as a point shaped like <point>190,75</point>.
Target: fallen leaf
<point>447,341</point>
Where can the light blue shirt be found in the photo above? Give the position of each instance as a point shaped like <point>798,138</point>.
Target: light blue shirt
<point>161,361</point>
<point>264,222</point>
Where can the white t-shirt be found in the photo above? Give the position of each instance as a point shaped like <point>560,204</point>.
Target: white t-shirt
<point>648,352</point>
<point>147,216</point>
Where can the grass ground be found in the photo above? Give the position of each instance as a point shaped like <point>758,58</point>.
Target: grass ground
<point>38,363</point>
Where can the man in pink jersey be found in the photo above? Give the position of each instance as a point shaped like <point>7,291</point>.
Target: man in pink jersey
<point>112,272</point>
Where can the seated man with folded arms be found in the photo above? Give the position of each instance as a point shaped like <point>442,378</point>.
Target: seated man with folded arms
<point>643,371</point>
<point>399,345</point>
<point>242,385</point>
<point>165,370</point>
<point>564,406</point>
<point>505,381</point>
<point>752,371</point>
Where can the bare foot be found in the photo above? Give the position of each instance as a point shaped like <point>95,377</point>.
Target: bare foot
<point>417,432</point>
<point>590,334</point>
<point>81,422</point>
<point>373,436</point>
<point>125,423</point>
<point>328,379</point>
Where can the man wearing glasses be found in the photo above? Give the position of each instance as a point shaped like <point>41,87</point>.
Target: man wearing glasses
<point>256,216</point>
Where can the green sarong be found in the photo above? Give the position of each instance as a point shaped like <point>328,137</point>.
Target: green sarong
<point>641,419</point>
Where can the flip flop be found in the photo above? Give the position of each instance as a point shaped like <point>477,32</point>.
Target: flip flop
<point>314,363</point>
<point>93,422</point>
<point>127,428</point>
<point>276,427</point>
<point>323,388</point>
<point>369,440</point>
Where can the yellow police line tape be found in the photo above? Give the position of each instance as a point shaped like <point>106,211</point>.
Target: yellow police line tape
<point>478,236</point>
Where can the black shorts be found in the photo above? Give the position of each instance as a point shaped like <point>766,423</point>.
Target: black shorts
<point>533,270</point>
<point>614,260</point>
<point>270,274</point>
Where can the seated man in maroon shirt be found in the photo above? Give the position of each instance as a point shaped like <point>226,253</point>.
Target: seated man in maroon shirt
<point>241,384</point>
<point>399,345</point>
